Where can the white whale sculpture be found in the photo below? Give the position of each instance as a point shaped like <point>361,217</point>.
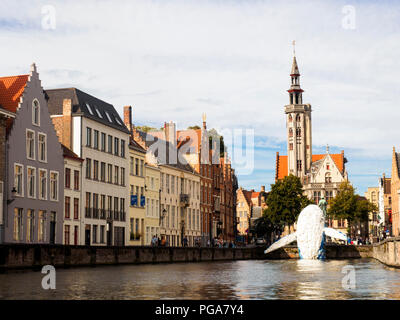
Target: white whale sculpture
<point>310,234</point>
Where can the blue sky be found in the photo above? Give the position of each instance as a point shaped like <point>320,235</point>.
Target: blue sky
<point>174,60</point>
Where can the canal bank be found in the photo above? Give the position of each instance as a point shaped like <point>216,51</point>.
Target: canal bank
<point>388,252</point>
<point>34,256</point>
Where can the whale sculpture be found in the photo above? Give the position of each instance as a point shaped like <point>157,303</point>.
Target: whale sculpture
<point>310,234</point>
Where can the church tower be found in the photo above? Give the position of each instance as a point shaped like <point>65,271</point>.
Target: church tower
<point>298,125</point>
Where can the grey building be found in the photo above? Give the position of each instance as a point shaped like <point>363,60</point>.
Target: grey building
<point>34,164</point>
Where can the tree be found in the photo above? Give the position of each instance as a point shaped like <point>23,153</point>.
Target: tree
<point>285,202</point>
<point>350,206</point>
<point>193,127</point>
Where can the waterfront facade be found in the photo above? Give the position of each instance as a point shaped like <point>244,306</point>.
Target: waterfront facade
<point>72,198</point>
<point>153,195</point>
<point>34,192</point>
<point>94,131</point>
<point>395,189</point>
<point>372,195</point>
<point>138,201</point>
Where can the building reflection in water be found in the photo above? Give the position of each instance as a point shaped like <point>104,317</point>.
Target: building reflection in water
<point>256,279</point>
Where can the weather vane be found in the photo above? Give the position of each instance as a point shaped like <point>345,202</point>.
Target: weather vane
<point>294,47</point>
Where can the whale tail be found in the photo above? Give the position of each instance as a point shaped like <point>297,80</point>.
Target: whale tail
<point>282,242</point>
<point>335,234</point>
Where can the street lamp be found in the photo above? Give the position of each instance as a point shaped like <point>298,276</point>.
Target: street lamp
<point>13,194</point>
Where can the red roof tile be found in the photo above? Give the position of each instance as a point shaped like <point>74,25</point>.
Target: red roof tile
<point>11,89</point>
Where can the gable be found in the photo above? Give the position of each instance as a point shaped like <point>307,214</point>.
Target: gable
<point>333,170</point>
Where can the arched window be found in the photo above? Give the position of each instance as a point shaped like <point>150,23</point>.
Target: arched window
<point>36,112</point>
<point>290,132</point>
<point>298,132</point>
<point>290,118</point>
<point>298,118</point>
<point>328,178</point>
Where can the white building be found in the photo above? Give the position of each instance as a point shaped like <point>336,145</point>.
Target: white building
<point>94,131</point>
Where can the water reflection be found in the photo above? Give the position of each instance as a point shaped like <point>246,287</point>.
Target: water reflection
<point>283,279</point>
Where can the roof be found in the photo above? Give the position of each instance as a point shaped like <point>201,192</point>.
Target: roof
<point>87,105</point>
<point>135,146</point>
<point>11,89</point>
<point>255,194</point>
<point>397,163</point>
<point>68,153</point>
<point>295,67</point>
<point>282,163</point>
<point>149,141</point>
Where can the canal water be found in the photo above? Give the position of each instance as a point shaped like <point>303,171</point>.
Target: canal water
<point>250,279</point>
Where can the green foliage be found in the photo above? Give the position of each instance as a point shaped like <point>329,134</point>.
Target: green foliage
<point>350,206</point>
<point>285,202</point>
<point>145,128</point>
<point>213,135</point>
<point>194,127</point>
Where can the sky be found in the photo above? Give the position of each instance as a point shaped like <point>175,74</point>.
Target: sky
<point>175,60</point>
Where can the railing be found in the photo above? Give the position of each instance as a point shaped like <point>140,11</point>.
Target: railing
<point>109,214</point>
<point>88,212</point>
<point>122,216</point>
<point>95,213</point>
<point>116,215</point>
<point>102,214</point>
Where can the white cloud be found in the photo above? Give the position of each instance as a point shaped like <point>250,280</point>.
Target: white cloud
<point>230,59</point>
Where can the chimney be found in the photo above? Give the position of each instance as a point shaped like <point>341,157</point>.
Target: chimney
<point>204,121</point>
<point>170,132</point>
<point>128,117</point>
<point>67,123</point>
<point>262,188</point>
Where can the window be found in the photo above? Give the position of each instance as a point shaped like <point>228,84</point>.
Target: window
<point>290,146</point>
<point>103,172</point>
<point>123,148</point>
<point>298,132</point>
<point>116,146</point>
<point>36,113</point>
<point>110,143</point>
<point>67,207</point>
<point>317,196</point>
<point>42,184</point>
<point>88,168</point>
<point>19,179</point>
<point>122,176</point>
<point>30,228</point>
<point>89,108</point>
<point>328,178</point>
<point>137,167</point>
<point>116,174</point>
<point>54,185</point>
<point>141,167</point>
<point>31,182</point>
<point>87,207</point>
<point>299,167</point>
<point>18,224</point>
<point>290,118</point>
<point>76,180</point>
<point>67,178</point>
<point>298,118</point>
<point>96,139</point>
<point>109,171</point>
<point>108,117</point>
<point>30,144</point>
<point>88,137</point>
<point>76,208</point>
<point>66,234</point>
<point>103,142</point>
<point>42,147</point>
<point>98,113</point>
<point>102,234</point>
<point>131,166</point>
<point>42,226</point>
<point>95,170</point>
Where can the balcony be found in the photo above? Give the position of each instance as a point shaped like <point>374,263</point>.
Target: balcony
<point>184,199</point>
<point>122,216</point>
<point>95,213</point>
<point>102,214</point>
<point>116,215</point>
<point>88,212</point>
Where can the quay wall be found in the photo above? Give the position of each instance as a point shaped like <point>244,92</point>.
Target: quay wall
<point>388,252</point>
<point>34,256</point>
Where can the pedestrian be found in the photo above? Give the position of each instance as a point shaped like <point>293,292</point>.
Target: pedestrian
<point>208,243</point>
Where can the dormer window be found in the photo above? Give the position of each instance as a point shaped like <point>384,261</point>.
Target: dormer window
<point>108,117</point>
<point>36,113</point>
<point>89,108</point>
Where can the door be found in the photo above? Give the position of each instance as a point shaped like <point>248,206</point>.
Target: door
<point>109,234</point>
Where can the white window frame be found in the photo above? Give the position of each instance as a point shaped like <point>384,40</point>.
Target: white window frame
<point>40,184</point>
<point>34,144</point>
<point>28,182</point>
<point>33,112</point>
<point>22,182</point>
<point>58,186</point>
<point>45,147</point>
